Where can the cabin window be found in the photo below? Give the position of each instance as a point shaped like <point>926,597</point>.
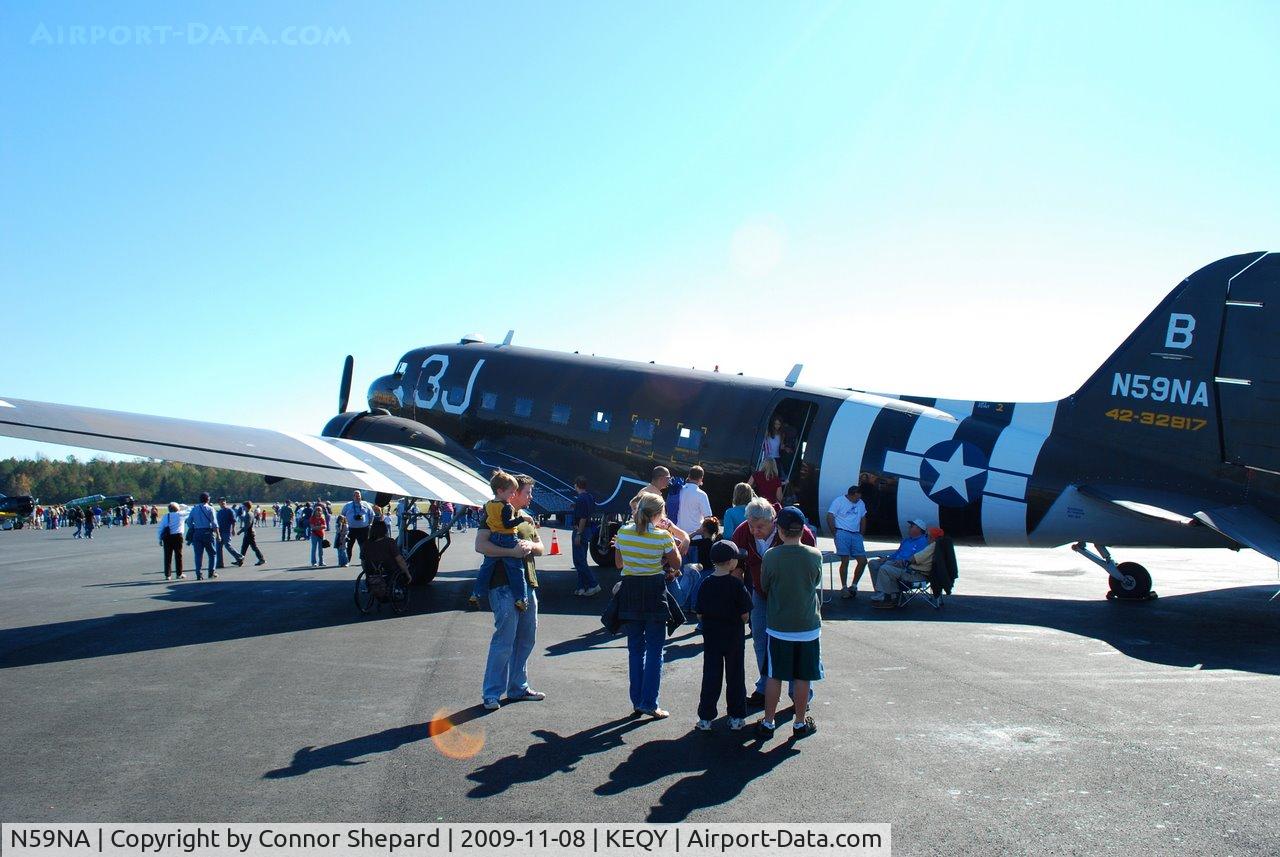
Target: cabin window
<point>689,438</point>
<point>523,407</point>
<point>642,428</point>
<point>600,421</point>
<point>560,414</point>
<point>488,401</point>
<point>455,395</point>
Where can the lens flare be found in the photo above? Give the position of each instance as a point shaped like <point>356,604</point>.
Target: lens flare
<point>454,740</point>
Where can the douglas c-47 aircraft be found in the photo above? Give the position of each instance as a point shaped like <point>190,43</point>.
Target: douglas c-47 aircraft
<point>1172,443</point>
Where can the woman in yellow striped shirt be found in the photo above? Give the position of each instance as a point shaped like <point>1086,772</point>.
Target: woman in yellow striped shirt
<point>648,552</point>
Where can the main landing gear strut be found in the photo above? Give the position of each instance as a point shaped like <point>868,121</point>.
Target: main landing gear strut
<point>1129,581</point>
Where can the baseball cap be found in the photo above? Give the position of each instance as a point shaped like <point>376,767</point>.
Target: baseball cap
<point>791,518</point>
<point>919,522</point>
<point>725,550</point>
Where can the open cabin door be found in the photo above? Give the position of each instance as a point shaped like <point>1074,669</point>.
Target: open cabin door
<point>796,416</point>
<point>1248,375</point>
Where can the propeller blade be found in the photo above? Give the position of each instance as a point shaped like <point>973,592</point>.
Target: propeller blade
<point>344,390</point>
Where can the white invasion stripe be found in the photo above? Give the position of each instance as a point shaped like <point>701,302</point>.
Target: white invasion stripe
<point>4,404</point>
<point>1004,522</point>
<point>929,430</point>
<point>1020,443</point>
<point>431,484</point>
<point>914,503</point>
<point>1006,484</point>
<point>845,446</point>
<point>1034,416</point>
<point>459,472</point>
<point>374,481</point>
<point>901,464</point>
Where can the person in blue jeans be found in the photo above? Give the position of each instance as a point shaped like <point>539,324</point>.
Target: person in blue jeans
<point>226,527</point>
<point>203,524</point>
<point>507,666</point>
<point>584,506</point>
<point>501,520</point>
<point>648,554</point>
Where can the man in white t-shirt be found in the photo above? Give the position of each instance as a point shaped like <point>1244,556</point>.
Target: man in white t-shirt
<point>694,503</point>
<point>847,522</point>
<point>359,514</point>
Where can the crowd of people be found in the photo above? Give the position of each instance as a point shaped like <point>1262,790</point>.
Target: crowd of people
<point>87,518</point>
<point>756,569</point>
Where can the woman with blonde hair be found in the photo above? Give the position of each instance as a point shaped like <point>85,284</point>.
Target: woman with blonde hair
<point>767,483</point>
<point>648,553</point>
<point>737,513</point>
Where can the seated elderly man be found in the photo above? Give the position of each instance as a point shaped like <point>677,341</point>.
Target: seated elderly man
<point>911,562</point>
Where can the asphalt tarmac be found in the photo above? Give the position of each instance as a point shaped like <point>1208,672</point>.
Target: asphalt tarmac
<point>1028,715</point>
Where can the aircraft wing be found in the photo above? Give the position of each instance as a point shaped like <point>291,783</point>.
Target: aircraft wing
<point>1247,526</point>
<point>376,467</point>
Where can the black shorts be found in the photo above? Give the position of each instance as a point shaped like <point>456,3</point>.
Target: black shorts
<point>790,660</point>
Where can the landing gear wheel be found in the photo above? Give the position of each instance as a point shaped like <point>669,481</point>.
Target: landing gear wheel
<point>602,558</point>
<point>425,561</point>
<point>1136,585</point>
<point>601,550</point>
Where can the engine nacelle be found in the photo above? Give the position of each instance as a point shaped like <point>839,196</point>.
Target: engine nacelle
<point>379,426</point>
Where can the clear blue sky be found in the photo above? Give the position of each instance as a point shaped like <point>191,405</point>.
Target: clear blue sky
<point>204,229</point>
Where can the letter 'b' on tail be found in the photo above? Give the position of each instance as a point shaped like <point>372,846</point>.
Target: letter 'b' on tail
<point>1200,377</point>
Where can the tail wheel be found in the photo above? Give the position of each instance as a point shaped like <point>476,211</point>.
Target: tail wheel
<point>425,561</point>
<point>1136,582</point>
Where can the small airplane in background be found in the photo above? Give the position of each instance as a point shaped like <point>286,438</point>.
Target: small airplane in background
<point>1171,443</point>
<point>14,511</point>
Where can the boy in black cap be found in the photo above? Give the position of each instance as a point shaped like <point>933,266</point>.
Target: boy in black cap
<point>725,607</point>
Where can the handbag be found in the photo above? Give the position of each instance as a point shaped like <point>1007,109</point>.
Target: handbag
<point>609,618</point>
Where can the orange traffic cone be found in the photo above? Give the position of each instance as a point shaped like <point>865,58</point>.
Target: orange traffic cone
<point>555,545</point>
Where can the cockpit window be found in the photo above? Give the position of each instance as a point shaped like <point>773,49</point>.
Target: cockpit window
<point>401,369</point>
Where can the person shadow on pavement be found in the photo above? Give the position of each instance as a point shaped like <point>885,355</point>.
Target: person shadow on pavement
<point>346,753</point>
<point>555,754</point>
<point>721,765</point>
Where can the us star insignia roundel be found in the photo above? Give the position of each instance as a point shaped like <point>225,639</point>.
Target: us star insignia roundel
<point>953,473</point>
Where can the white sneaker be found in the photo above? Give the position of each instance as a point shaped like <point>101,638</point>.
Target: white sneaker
<point>579,592</point>
<point>736,723</point>
<point>492,705</point>
<point>704,725</point>
<point>595,590</point>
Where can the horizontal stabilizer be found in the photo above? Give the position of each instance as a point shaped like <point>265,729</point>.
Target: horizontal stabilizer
<point>1246,525</point>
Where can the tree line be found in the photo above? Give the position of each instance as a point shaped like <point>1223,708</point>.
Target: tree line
<point>52,481</point>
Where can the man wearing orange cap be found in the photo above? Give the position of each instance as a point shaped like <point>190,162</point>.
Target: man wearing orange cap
<point>911,563</point>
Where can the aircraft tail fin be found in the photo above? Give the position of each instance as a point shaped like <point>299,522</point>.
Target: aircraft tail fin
<point>1200,377</point>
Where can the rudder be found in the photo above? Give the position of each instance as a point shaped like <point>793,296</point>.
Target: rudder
<point>1169,385</point>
